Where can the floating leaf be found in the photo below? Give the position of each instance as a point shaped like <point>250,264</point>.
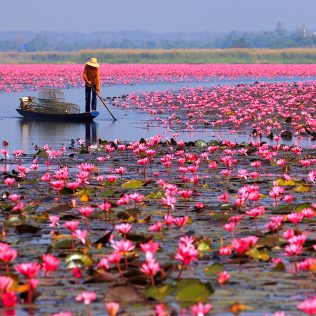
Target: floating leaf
<point>106,193</point>
<point>203,247</point>
<point>301,188</point>
<point>99,276</point>
<point>213,269</point>
<point>300,207</point>
<point>13,221</point>
<point>63,244</point>
<point>124,294</point>
<point>138,237</point>
<point>200,144</point>
<point>133,184</point>
<point>192,291</point>
<point>103,240</point>
<point>27,229</point>
<point>158,293</point>
<point>66,191</point>
<point>69,217</point>
<point>286,183</point>
<point>259,255</point>
<point>155,195</point>
<point>267,241</point>
<point>280,267</point>
<point>123,215</point>
<point>78,259</point>
<point>59,208</point>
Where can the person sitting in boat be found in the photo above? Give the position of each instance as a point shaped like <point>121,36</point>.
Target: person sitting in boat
<point>91,76</point>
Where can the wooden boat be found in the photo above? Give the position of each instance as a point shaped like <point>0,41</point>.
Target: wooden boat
<point>70,117</point>
<point>50,105</point>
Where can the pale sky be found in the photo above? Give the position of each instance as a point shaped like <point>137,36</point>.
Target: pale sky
<point>155,16</point>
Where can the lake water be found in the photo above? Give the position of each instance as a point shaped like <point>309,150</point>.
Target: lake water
<point>130,126</point>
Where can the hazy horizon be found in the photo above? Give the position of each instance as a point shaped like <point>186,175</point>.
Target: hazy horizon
<point>173,16</point>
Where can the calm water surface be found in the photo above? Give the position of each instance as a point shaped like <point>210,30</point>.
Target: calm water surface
<point>130,126</point>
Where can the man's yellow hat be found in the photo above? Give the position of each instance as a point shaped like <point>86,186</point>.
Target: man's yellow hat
<point>93,62</point>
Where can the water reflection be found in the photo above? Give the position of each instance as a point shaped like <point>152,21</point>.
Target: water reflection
<point>91,132</point>
<point>36,132</point>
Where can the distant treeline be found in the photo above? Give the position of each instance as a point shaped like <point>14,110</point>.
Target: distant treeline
<point>191,56</point>
<point>70,41</point>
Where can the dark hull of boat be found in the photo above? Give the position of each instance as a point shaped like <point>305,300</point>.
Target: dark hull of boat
<point>80,117</point>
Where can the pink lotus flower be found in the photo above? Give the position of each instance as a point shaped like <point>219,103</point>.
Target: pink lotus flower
<point>9,299</point>
<point>54,220</point>
<point>150,268</point>
<point>88,167</point>
<point>157,227</point>
<point>46,177</point>
<point>161,310</point>
<point>120,171</point>
<point>104,263</point>
<point>241,245</point>
<point>223,277</point>
<point>150,246</point>
<point>225,198</point>
<point>136,197</point>
<point>86,297</point>
<point>225,251</point>
<point>29,270</point>
<point>112,308</point>
<point>9,182</point>
<point>50,263</point>
<point>111,178</point>
<point>86,212</point>
<point>123,246</point>
<point>80,235</point>
<point>200,309</point>
<point>306,265</point>
<point>295,218</point>
<point>71,225</point>
<point>14,197</point>
<point>123,228</point>
<point>186,253</point>
<point>308,306</point>
<point>5,283</point>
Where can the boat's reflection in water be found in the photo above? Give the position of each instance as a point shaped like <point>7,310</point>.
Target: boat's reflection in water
<point>38,132</point>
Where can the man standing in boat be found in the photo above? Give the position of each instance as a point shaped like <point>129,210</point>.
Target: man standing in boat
<point>91,76</point>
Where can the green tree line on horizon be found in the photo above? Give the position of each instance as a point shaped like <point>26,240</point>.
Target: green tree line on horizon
<point>280,37</point>
<point>165,56</point>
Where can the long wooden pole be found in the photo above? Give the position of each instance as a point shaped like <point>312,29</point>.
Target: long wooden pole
<point>101,99</point>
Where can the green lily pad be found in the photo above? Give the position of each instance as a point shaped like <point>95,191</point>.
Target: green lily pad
<point>259,255</point>
<point>158,293</point>
<point>286,183</point>
<point>155,195</point>
<point>267,241</point>
<point>78,259</point>
<point>27,229</point>
<point>201,144</point>
<point>213,269</point>
<point>62,244</point>
<point>192,291</point>
<point>106,193</point>
<point>13,221</point>
<point>66,191</point>
<point>300,207</point>
<point>301,188</point>
<point>133,184</point>
<point>203,247</point>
